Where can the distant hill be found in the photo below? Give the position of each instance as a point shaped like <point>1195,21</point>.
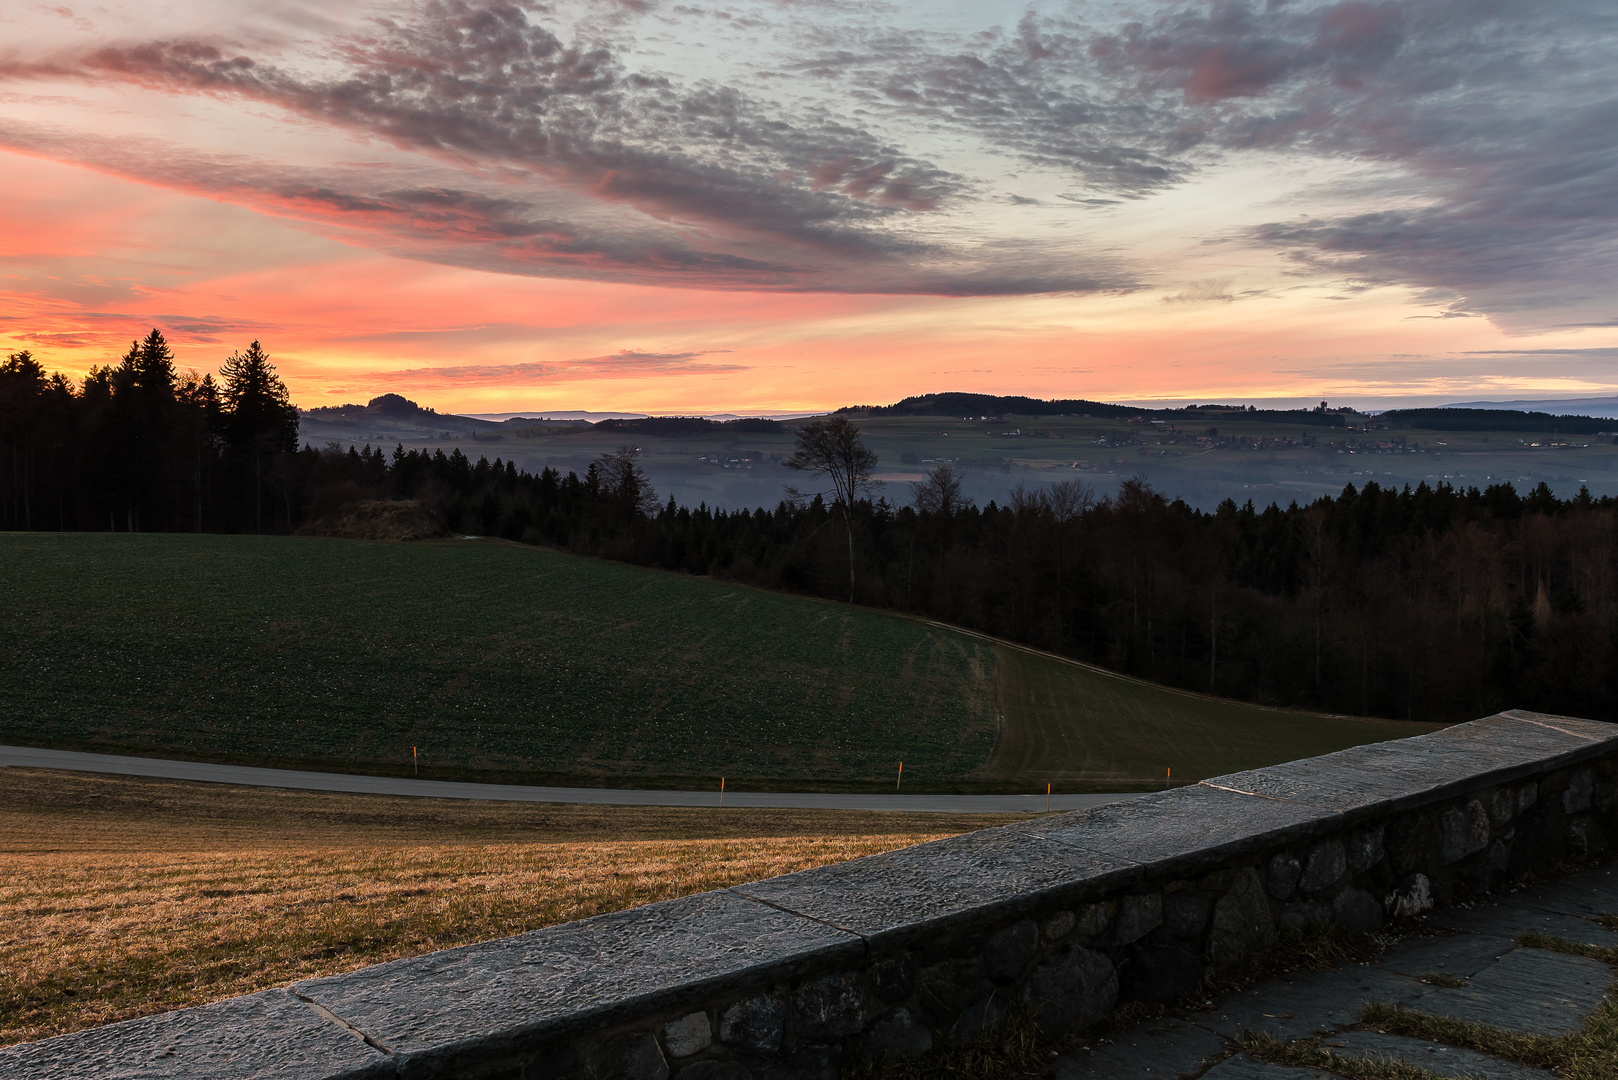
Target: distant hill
<point>388,406</point>
<point>959,404</point>
<point>991,405</point>
<point>1587,406</point>
<point>1458,419</point>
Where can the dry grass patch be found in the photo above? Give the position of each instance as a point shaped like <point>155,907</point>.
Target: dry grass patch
<point>1310,1054</point>
<point>121,897</point>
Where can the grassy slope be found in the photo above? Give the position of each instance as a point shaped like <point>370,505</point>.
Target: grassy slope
<point>1069,723</point>
<point>519,662</point>
<point>488,656</point>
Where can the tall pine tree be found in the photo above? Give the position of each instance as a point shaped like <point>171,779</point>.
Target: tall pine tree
<point>260,422</point>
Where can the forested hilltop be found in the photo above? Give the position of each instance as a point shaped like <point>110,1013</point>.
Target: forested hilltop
<point>1425,603</point>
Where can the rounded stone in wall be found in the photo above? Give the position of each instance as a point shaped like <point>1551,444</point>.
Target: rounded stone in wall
<point>1285,870</point>
<point>1071,991</point>
<point>1356,910</point>
<point>1327,864</point>
<point>1008,951</point>
<point>1242,923</point>
<point>897,1037</point>
<point>755,1023</point>
<point>1365,849</point>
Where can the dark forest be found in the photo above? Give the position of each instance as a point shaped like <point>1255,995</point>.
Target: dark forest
<point>1427,603</point>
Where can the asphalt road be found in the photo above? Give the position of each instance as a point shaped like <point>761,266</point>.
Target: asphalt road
<point>74,761</point>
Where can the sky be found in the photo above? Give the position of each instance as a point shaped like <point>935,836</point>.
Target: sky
<point>800,204</point>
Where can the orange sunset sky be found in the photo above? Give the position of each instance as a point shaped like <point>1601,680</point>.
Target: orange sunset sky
<point>798,205</point>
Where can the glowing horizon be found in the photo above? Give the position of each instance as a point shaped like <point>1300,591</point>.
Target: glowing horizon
<point>762,207</point>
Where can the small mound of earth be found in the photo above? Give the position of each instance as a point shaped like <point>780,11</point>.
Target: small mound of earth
<point>379,519</point>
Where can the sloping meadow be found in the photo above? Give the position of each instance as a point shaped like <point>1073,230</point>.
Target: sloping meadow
<point>489,657</point>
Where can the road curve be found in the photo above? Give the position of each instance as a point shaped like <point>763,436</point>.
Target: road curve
<point>30,757</point>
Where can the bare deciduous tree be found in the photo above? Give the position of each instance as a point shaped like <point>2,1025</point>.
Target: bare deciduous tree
<point>831,447</point>
<point>940,492</point>
<point>624,483</point>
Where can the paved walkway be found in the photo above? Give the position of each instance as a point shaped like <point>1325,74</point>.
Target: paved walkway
<point>1519,989</point>
<point>442,789</point>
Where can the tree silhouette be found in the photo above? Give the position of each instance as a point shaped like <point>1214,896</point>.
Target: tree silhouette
<point>831,447</point>
<point>624,484</point>
<point>261,423</point>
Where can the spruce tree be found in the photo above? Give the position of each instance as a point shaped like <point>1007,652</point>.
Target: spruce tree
<point>260,421</point>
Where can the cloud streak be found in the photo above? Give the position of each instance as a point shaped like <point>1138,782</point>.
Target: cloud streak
<point>625,364</point>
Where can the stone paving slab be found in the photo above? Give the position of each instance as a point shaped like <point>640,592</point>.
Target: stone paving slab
<point>1519,916</point>
<point>1459,955</point>
<point>1242,1067</point>
<point>1311,1004</point>
<point>1589,894</point>
<point>1526,990</point>
<point>1166,1047</point>
<point>508,996</point>
<point>256,1037</point>
<point>1436,1057</point>
<point>894,897</point>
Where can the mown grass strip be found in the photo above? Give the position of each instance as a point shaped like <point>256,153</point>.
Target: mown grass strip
<point>121,897</point>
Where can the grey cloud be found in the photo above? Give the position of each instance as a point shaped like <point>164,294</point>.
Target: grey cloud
<point>484,81</point>
<point>1030,94</point>
<point>1200,292</point>
<point>731,191</point>
<point>1496,118</point>
<point>1503,113</point>
<point>627,364</point>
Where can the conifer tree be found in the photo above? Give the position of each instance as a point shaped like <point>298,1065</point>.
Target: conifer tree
<point>260,421</point>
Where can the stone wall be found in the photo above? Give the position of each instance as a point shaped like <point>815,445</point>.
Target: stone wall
<point>888,956</point>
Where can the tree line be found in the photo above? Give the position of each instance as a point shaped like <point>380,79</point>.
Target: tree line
<point>142,446</point>
<point>1430,603</point>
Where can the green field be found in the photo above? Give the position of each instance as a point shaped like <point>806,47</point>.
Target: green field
<point>1078,726</point>
<point>509,662</point>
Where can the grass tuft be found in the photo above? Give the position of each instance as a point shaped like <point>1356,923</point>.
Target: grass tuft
<point>1310,1054</point>
<point>1604,953</point>
<point>1537,1051</point>
<point>1439,978</point>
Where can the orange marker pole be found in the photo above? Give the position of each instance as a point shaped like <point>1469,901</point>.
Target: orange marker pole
<point>899,781</point>
<point>1168,771</point>
<point>721,791</point>
<point>1047,797</point>
<point>415,760</point>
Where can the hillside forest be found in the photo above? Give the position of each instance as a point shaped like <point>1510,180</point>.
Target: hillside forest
<point>1428,603</point>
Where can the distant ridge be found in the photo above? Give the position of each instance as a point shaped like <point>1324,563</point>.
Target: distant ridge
<point>1589,406</point>
<point>1456,418</point>
<point>961,404</point>
<point>991,405</point>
